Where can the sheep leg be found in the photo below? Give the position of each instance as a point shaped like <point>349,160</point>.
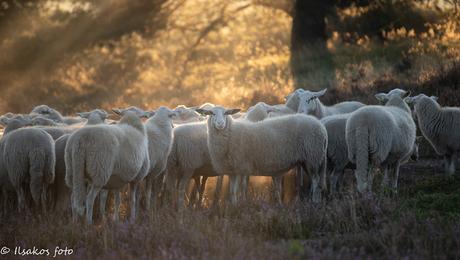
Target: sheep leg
<point>450,160</point>
<point>370,175</point>
<point>235,181</point>
<point>315,181</point>
<point>340,181</point>
<point>244,186</point>
<point>21,197</point>
<point>90,197</point>
<point>395,176</point>
<point>454,160</point>
<point>336,180</point>
<point>116,195</point>
<point>138,198</point>
<point>202,188</point>
<point>447,158</point>
<point>277,185</point>
<point>132,198</point>
<point>182,185</point>
<point>332,180</point>
<point>170,185</point>
<point>298,171</point>
<point>316,194</point>
<point>74,208</point>
<point>156,188</point>
<point>102,200</point>
<point>384,172</point>
<point>197,187</point>
<point>149,180</point>
<point>219,188</point>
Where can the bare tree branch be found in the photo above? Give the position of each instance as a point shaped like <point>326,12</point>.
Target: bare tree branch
<point>222,20</point>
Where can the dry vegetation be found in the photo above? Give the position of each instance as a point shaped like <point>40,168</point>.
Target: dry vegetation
<point>242,59</point>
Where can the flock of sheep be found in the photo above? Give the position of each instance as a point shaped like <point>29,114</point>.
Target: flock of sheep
<point>65,162</point>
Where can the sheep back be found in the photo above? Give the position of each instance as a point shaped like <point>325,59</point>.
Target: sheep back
<point>439,125</point>
<point>109,156</point>
<point>377,134</point>
<point>270,147</point>
<point>30,152</point>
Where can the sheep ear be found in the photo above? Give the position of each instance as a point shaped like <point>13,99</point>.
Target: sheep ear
<point>434,98</point>
<point>193,108</point>
<point>177,112</point>
<point>204,112</point>
<point>107,116</point>
<point>83,115</point>
<point>232,111</point>
<point>409,100</point>
<point>271,109</point>
<point>419,138</point>
<point>6,120</point>
<point>406,94</point>
<point>288,96</point>
<point>147,114</point>
<point>381,96</point>
<point>319,93</point>
<point>117,111</point>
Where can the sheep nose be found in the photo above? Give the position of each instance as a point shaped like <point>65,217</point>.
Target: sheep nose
<point>302,111</point>
<point>220,124</point>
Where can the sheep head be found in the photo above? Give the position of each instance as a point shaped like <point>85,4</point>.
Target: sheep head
<point>266,107</point>
<point>170,113</point>
<point>395,92</point>
<point>296,93</point>
<point>24,121</point>
<point>307,101</point>
<point>414,155</point>
<point>44,110</point>
<point>218,115</point>
<point>96,116</point>
<point>416,99</point>
<point>139,112</point>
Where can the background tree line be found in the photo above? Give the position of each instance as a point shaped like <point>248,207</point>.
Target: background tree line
<point>79,55</point>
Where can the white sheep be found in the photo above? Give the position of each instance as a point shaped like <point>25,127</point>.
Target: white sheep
<point>378,135</point>
<point>189,158</point>
<point>259,112</point>
<point>189,115</point>
<point>394,175</point>
<point>15,123</point>
<point>440,127</point>
<point>310,104</point>
<point>62,193</point>
<point>337,151</point>
<point>271,147</point>
<point>107,157</point>
<point>190,155</point>
<point>159,132</point>
<point>290,107</point>
<point>28,160</point>
<point>53,114</point>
